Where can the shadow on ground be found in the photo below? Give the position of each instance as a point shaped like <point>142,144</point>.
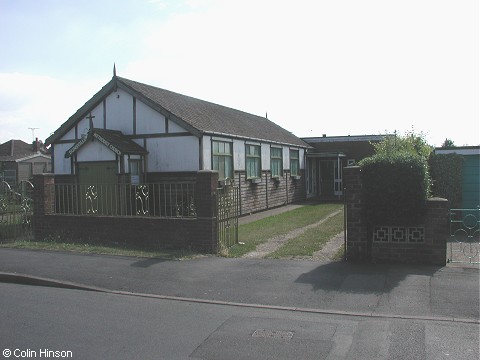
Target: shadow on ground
<point>362,278</point>
<point>145,263</point>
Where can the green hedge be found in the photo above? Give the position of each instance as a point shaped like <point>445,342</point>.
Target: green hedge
<point>446,171</point>
<point>396,187</point>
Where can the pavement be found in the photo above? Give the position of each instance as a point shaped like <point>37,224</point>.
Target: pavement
<point>370,290</point>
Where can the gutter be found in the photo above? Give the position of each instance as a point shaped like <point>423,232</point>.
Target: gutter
<point>239,137</point>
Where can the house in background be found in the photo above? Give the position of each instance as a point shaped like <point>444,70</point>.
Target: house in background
<point>470,174</point>
<point>20,160</point>
<point>327,157</point>
<point>130,132</point>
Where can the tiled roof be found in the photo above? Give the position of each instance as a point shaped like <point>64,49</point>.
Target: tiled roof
<point>120,141</point>
<point>16,149</point>
<point>198,116</point>
<point>208,117</point>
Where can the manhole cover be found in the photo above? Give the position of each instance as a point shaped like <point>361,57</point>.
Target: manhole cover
<point>274,334</point>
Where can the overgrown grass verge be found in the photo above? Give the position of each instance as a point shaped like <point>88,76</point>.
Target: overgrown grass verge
<point>96,249</point>
<point>258,232</point>
<point>311,240</point>
<point>340,254</point>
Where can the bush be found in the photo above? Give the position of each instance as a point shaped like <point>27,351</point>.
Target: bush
<point>446,172</point>
<point>396,187</point>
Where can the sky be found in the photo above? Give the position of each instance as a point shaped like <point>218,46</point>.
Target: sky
<point>334,67</point>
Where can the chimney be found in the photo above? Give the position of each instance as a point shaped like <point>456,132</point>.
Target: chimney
<point>11,147</point>
<point>35,145</point>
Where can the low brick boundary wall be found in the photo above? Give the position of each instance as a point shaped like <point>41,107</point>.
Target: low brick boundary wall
<point>424,243</point>
<point>152,233</point>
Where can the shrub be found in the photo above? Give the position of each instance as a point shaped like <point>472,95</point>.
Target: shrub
<point>396,187</point>
<point>446,172</point>
<point>410,143</point>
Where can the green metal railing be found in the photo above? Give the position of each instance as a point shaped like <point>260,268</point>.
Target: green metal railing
<point>153,199</point>
<point>228,211</point>
<point>16,210</point>
<point>464,240</point>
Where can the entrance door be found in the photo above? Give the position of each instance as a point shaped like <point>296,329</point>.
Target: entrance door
<point>327,171</point>
<point>97,187</point>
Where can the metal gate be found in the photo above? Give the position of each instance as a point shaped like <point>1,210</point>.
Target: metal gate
<point>228,210</point>
<point>16,211</point>
<point>464,242</point>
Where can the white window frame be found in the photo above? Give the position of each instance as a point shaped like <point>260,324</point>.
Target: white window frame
<point>253,157</point>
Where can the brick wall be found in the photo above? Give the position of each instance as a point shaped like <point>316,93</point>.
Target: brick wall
<point>424,243</point>
<point>140,232</point>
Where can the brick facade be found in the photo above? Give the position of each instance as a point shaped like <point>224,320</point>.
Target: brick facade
<point>268,192</point>
<point>400,243</point>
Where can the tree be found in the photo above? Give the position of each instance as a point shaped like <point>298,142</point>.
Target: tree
<point>447,143</point>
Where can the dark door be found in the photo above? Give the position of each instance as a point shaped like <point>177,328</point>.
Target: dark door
<point>98,187</point>
<point>327,179</point>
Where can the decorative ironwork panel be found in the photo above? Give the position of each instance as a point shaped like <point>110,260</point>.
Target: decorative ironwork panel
<point>142,198</point>
<point>91,202</point>
<point>464,242</point>
<point>174,199</point>
<point>16,210</point>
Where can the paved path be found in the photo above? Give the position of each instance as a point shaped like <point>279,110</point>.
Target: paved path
<point>276,242</point>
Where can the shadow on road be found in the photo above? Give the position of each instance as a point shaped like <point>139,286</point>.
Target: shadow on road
<point>148,262</point>
<point>362,278</point>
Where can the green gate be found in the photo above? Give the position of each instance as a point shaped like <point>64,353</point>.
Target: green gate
<point>16,211</point>
<point>228,210</point>
<point>464,242</point>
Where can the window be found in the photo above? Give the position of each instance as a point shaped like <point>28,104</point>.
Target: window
<point>254,168</point>
<point>135,170</point>
<point>222,159</point>
<point>294,163</point>
<point>276,162</point>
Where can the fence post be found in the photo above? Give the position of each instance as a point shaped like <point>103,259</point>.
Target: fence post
<point>205,206</point>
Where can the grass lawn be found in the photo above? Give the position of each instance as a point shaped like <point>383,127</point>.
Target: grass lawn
<point>95,249</point>
<point>258,232</point>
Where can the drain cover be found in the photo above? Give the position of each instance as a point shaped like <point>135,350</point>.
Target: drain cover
<point>274,334</point>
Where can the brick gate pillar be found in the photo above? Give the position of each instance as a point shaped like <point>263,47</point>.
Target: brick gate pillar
<point>437,230</point>
<point>357,242</point>
<point>43,202</point>
<point>43,194</point>
<point>205,206</point>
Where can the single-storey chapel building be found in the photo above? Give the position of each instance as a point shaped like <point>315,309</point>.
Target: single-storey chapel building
<point>134,133</point>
